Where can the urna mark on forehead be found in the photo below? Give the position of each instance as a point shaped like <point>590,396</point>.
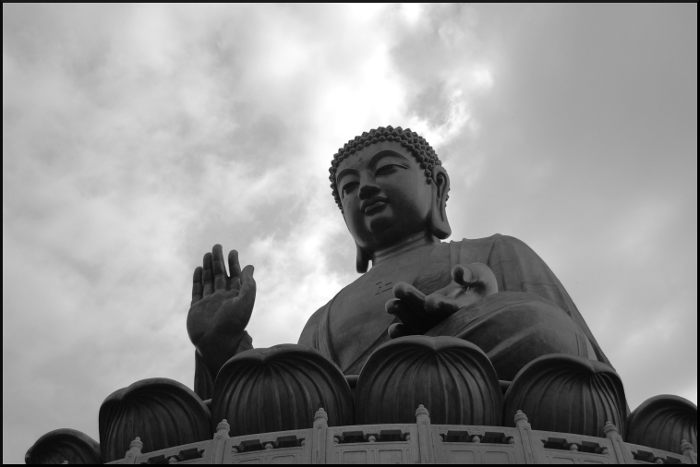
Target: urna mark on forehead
<point>415,144</point>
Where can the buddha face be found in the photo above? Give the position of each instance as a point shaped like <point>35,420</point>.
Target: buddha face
<point>384,194</point>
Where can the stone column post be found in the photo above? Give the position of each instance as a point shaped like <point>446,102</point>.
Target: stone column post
<point>218,446</point>
<point>134,451</point>
<point>533,450</point>
<point>426,452</point>
<point>622,452</point>
<point>689,452</point>
<point>320,437</point>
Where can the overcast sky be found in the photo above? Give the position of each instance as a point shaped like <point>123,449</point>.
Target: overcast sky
<point>135,137</point>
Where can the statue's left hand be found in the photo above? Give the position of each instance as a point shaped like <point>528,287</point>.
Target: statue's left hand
<point>419,312</point>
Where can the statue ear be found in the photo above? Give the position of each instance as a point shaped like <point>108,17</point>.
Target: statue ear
<point>438,216</point>
<point>361,260</point>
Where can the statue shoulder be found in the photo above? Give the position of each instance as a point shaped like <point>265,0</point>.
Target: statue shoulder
<point>496,247</point>
<point>309,335</point>
<point>499,239</point>
<point>496,243</point>
<point>516,266</point>
<point>514,244</point>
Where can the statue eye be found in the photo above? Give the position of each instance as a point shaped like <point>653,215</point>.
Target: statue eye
<point>388,169</point>
<point>348,187</point>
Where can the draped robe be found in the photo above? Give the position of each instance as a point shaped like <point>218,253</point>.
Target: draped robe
<point>531,315</point>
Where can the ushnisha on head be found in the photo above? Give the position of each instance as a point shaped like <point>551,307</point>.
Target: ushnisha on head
<point>391,187</point>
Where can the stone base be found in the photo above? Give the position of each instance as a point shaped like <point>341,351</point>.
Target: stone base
<point>420,442</point>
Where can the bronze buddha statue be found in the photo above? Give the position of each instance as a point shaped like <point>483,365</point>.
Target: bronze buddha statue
<point>392,192</point>
<point>479,332</point>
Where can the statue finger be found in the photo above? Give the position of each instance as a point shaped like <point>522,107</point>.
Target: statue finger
<point>248,286</point>
<point>409,294</point>
<point>197,284</point>
<point>403,311</point>
<point>397,307</point>
<point>482,279</point>
<point>458,275</point>
<point>234,267</point>
<point>207,276</point>
<point>246,296</point>
<point>391,306</point>
<point>399,330</point>
<point>218,268</point>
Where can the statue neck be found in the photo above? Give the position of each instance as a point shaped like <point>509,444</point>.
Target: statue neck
<point>408,244</point>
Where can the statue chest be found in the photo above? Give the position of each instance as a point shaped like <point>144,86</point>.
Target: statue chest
<point>358,321</point>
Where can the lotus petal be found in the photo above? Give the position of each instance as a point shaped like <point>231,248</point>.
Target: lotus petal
<point>567,394</point>
<point>451,377</point>
<point>663,422</point>
<point>64,444</point>
<point>279,388</point>
<point>161,411</point>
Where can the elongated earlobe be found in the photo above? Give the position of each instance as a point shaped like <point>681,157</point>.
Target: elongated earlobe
<point>361,260</point>
<point>439,224</point>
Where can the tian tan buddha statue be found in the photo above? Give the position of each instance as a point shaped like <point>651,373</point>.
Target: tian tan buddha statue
<point>477,333</point>
<point>392,191</point>
<point>475,330</point>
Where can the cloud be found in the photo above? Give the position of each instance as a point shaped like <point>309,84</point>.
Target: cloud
<point>135,137</point>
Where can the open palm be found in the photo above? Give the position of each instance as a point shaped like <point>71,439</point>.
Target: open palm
<point>221,306</point>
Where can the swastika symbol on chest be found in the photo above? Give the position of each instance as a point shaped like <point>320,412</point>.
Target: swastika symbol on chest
<point>383,286</point>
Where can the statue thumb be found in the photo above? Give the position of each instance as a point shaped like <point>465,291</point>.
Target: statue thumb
<point>247,282</point>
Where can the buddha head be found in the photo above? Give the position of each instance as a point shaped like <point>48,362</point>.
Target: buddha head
<point>390,186</point>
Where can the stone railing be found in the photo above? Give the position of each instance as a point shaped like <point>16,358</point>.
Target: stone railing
<point>421,442</point>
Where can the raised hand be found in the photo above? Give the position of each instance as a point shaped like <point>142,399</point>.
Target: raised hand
<point>221,306</point>
<point>418,312</point>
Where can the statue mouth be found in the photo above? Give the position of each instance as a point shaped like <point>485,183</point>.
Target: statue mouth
<point>373,205</point>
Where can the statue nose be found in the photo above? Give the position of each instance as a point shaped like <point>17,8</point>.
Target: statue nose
<point>368,189</point>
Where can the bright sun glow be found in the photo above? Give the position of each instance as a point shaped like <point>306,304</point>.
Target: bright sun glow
<point>411,12</point>
<point>482,77</point>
